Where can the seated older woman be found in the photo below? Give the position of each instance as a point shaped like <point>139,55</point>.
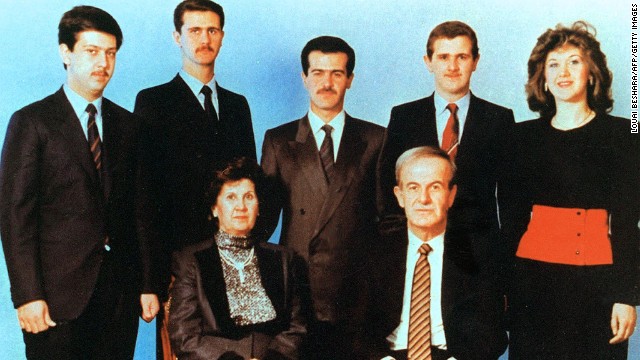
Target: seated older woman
<point>235,296</point>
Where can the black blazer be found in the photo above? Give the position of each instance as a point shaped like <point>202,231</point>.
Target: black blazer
<point>471,308</point>
<point>182,149</point>
<point>54,213</point>
<point>200,324</point>
<point>329,226</point>
<point>473,216</point>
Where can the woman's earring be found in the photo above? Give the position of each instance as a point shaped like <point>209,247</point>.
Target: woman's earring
<point>591,80</point>
<point>546,87</point>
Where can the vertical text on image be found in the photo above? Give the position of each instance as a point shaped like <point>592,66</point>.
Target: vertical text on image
<point>634,68</point>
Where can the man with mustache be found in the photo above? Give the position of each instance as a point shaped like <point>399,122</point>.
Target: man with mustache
<point>67,182</point>
<point>194,125</point>
<point>323,172</point>
<point>471,130</point>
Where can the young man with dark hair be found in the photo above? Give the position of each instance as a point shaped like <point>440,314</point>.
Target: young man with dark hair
<point>67,181</point>
<point>323,168</point>
<point>194,125</point>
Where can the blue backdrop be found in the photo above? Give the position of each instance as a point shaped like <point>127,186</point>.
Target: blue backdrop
<point>260,59</point>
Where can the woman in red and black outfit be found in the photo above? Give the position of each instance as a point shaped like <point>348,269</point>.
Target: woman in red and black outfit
<point>570,219</point>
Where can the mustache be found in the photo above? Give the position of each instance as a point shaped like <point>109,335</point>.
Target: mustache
<point>326,91</point>
<point>99,73</point>
<point>204,48</point>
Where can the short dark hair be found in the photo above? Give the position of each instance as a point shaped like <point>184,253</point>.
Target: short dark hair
<point>328,44</point>
<point>427,152</point>
<point>583,36</point>
<point>196,5</point>
<point>84,18</point>
<point>237,169</point>
<point>451,30</point>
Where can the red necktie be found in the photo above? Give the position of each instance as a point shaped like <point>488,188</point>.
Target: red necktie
<point>419,346</point>
<point>450,135</point>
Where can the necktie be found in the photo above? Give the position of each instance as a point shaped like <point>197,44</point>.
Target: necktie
<point>420,317</point>
<point>95,144</point>
<point>208,104</point>
<point>326,152</point>
<point>451,130</point>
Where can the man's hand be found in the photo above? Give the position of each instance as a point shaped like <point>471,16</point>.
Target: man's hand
<point>623,321</point>
<point>34,316</point>
<point>150,306</point>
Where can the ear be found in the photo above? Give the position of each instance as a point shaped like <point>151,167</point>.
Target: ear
<point>398,193</point>
<point>349,80</point>
<point>427,62</point>
<point>475,63</point>
<point>64,54</point>
<point>176,38</point>
<point>452,196</point>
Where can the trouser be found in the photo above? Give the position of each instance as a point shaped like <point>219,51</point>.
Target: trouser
<point>106,329</point>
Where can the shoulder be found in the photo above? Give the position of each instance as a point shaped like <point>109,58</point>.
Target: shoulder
<point>225,93</point>
<point>165,88</point>
<point>419,103</point>
<point>284,131</point>
<point>41,107</point>
<point>489,106</point>
<point>190,252</point>
<point>366,127</point>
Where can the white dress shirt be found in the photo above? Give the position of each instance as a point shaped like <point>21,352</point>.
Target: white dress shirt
<point>442,113</point>
<point>79,105</point>
<point>196,87</point>
<point>337,123</point>
<point>398,339</point>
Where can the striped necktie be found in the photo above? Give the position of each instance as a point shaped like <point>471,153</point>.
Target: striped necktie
<point>326,152</point>
<point>419,347</point>
<point>95,144</point>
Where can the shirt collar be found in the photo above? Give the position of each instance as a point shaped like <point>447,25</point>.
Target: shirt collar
<point>79,104</point>
<point>436,243</point>
<point>441,104</point>
<point>196,85</point>
<point>337,123</point>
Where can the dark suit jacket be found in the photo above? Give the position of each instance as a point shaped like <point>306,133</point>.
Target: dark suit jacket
<point>183,147</point>
<point>200,323</point>
<point>473,217</point>
<point>471,307</point>
<point>54,213</point>
<point>329,226</point>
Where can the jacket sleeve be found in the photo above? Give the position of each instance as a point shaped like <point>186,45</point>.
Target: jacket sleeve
<point>186,318</point>
<point>287,343</point>
<point>273,202</point>
<point>20,192</point>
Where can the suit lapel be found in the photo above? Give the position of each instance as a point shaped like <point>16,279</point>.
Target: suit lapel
<point>349,156</point>
<point>429,127</point>
<point>214,287</point>
<point>72,132</point>
<point>305,151</point>
<point>110,145</point>
<point>473,130</point>
<point>272,276</point>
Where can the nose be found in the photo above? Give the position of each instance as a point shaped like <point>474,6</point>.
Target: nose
<point>452,65</point>
<point>425,197</point>
<point>205,37</point>
<point>102,59</point>
<point>564,69</point>
<point>327,81</point>
<point>241,204</point>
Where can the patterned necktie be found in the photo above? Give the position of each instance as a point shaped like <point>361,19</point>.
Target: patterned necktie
<point>95,144</point>
<point>326,152</point>
<point>451,130</point>
<point>208,104</point>
<point>419,347</point>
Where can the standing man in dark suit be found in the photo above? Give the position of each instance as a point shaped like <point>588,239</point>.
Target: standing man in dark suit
<point>194,126</point>
<point>429,300</point>
<point>67,183</point>
<point>471,130</point>
<point>323,168</point>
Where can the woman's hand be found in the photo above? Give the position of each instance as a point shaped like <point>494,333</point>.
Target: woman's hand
<point>623,322</point>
